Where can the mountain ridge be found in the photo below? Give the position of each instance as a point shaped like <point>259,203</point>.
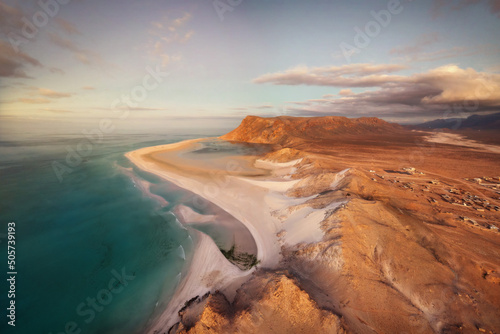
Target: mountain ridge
<point>475,122</point>
<point>287,129</point>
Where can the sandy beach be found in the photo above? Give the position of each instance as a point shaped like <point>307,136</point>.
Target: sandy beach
<point>335,223</point>
<point>244,194</point>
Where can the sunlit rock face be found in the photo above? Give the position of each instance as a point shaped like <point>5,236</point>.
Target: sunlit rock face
<point>411,247</point>
<point>268,303</point>
<point>287,130</point>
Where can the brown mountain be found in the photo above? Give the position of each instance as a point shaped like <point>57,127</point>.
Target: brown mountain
<point>413,246</point>
<point>475,122</point>
<point>285,130</point>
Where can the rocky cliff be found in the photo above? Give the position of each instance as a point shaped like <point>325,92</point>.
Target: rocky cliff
<point>268,303</point>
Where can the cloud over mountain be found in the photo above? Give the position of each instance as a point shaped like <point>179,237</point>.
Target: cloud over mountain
<point>434,90</point>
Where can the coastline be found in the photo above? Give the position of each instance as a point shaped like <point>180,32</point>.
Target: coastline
<point>209,270</point>
<point>350,224</point>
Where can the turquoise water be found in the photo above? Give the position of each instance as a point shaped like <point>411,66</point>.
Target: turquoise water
<point>93,252</point>
<point>216,147</point>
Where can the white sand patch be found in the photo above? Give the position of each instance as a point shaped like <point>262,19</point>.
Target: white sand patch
<point>266,164</point>
<point>142,185</point>
<point>339,177</point>
<point>303,226</point>
<point>275,186</point>
<point>189,216</point>
<point>261,205</point>
<point>283,170</point>
<point>459,140</point>
<point>209,271</point>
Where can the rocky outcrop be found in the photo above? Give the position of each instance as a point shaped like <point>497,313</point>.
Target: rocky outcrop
<point>395,257</point>
<point>286,130</point>
<point>267,303</point>
<point>208,314</point>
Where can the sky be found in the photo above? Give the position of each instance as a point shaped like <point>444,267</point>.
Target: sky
<point>199,60</point>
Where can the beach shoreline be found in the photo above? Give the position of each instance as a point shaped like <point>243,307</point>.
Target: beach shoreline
<point>341,218</point>
<point>209,270</point>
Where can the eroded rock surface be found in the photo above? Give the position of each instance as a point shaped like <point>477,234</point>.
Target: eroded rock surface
<point>397,256</point>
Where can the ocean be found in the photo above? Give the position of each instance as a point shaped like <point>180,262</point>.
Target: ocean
<point>98,249</point>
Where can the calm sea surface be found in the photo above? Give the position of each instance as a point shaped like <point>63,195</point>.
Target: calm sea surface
<point>97,247</point>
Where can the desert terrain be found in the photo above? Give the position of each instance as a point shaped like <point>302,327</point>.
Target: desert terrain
<point>409,238</point>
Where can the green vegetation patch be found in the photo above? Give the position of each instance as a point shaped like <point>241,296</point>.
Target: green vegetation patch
<point>241,259</point>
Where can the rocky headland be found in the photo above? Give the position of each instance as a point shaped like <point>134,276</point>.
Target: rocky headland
<point>384,232</point>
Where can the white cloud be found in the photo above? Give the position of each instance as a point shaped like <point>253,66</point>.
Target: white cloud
<point>434,90</point>
<point>344,92</point>
<point>353,75</point>
<point>36,100</point>
<point>422,41</point>
<point>52,94</point>
<point>84,56</point>
<point>68,27</point>
<point>167,35</point>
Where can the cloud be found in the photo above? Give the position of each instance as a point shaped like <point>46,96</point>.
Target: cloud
<point>14,64</point>
<point>88,88</point>
<point>34,100</point>
<point>64,43</point>
<point>59,111</point>
<point>353,75</point>
<point>56,70</point>
<point>422,41</point>
<point>168,32</point>
<point>52,94</point>
<point>494,68</point>
<point>133,108</point>
<point>438,54</point>
<point>44,96</point>
<point>457,85</point>
<point>495,7</point>
<point>264,106</point>
<point>441,6</point>
<point>343,92</point>
<point>68,27</point>
<point>253,107</point>
<point>146,109</point>
<point>416,52</point>
<point>10,19</point>
<point>433,91</point>
<point>179,22</point>
<point>84,56</point>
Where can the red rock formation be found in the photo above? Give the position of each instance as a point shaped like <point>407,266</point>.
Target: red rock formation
<point>285,130</point>
<point>403,254</point>
<point>268,303</point>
